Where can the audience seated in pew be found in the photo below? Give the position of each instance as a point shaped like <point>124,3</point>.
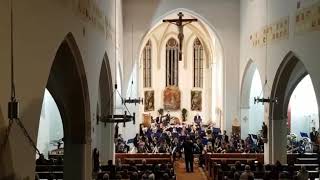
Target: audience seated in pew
<point>137,171</point>
<point>303,174</point>
<point>260,171</point>
<point>247,174</point>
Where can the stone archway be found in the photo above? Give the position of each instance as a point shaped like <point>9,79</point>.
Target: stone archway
<point>245,99</point>
<point>67,84</point>
<point>104,133</point>
<point>290,72</point>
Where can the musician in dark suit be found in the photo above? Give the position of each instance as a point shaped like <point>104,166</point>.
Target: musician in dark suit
<point>188,147</point>
<point>226,137</point>
<point>314,135</point>
<point>158,120</point>
<point>197,119</point>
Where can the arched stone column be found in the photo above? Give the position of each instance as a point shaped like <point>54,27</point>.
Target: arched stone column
<point>105,133</point>
<point>290,72</point>
<point>67,84</point>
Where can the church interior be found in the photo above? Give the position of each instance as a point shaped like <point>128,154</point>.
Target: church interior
<point>159,89</point>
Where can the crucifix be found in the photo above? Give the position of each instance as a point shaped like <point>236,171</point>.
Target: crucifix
<point>180,23</point>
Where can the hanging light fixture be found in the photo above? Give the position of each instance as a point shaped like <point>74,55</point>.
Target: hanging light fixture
<point>130,100</point>
<point>127,116</point>
<point>263,99</point>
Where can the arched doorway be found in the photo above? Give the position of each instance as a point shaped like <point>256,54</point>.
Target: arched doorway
<point>50,134</point>
<point>303,114</point>
<point>103,140</point>
<point>67,84</point>
<point>251,114</point>
<point>289,74</point>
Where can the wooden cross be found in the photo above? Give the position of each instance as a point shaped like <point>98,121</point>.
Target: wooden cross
<point>180,23</point>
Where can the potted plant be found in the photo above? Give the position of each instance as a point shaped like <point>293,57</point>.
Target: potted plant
<point>184,112</point>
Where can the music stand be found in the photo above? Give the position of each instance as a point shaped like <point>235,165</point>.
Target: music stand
<point>303,134</point>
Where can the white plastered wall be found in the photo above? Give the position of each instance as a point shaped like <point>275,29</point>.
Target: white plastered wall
<point>39,28</point>
<point>305,46</point>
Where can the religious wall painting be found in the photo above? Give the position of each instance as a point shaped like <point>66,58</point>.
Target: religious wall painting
<point>171,98</point>
<point>279,30</point>
<point>148,101</point>
<point>196,101</point>
<point>308,19</point>
<point>146,120</point>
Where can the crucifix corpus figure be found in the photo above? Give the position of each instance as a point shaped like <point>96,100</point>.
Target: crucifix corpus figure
<point>180,23</point>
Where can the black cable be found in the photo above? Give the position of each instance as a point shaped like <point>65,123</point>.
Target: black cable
<point>25,132</point>
<point>13,91</point>
<point>6,137</point>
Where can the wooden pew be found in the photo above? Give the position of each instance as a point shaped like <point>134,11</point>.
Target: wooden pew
<point>236,156</point>
<point>149,157</point>
<point>258,156</point>
<point>45,171</point>
<point>311,168</point>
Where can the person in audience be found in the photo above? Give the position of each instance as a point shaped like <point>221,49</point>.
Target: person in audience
<point>236,175</point>
<point>166,176</point>
<point>134,176</point>
<point>157,171</point>
<point>144,176</point>
<point>231,173</point>
<point>105,176</point>
<point>41,160</point>
<point>247,174</point>
<point>273,174</point>
<point>125,174</point>
<point>96,162</point>
<point>59,161</point>
<point>151,176</point>
<point>118,165</point>
<point>118,176</point>
<point>144,165</point>
<point>252,165</point>
<point>303,174</point>
<point>225,166</point>
<point>111,168</point>
<point>259,167</point>
<point>283,175</point>
<point>238,166</point>
<point>278,166</point>
<point>291,169</point>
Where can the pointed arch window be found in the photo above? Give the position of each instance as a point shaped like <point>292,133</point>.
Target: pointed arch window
<point>147,65</point>
<point>172,63</point>
<point>197,63</point>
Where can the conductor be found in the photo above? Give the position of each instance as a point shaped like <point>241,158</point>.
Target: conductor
<point>188,154</point>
